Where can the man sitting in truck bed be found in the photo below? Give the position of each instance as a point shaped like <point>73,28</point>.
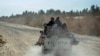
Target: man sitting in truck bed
<point>50,24</point>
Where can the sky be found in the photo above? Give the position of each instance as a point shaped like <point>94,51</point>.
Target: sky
<point>8,7</point>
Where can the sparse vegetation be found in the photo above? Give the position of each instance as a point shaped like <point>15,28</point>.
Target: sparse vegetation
<point>1,41</point>
<point>86,21</point>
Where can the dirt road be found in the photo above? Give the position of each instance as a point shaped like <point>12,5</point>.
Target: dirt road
<point>20,38</point>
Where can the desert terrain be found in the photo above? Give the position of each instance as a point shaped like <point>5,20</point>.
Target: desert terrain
<point>20,39</point>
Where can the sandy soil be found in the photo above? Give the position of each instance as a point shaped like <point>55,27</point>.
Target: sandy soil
<point>18,37</point>
<point>22,38</point>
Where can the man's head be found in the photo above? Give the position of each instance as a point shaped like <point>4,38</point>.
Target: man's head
<point>52,18</point>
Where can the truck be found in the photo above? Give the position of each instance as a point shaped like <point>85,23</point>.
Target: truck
<point>57,38</point>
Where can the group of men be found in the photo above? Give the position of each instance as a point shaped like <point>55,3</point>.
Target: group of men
<point>51,23</point>
<point>47,26</point>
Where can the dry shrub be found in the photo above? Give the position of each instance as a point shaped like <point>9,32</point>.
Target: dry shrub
<point>1,41</point>
<point>83,25</point>
<point>89,25</point>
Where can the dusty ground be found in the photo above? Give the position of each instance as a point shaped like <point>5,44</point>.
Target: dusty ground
<point>88,46</point>
<point>20,38</point>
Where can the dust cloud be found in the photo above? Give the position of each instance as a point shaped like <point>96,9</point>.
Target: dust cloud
<point>37,51</point>
<point>34,51</point>
<point>80,50</point>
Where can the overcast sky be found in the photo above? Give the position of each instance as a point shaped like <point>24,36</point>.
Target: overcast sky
<point>8,7</point>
